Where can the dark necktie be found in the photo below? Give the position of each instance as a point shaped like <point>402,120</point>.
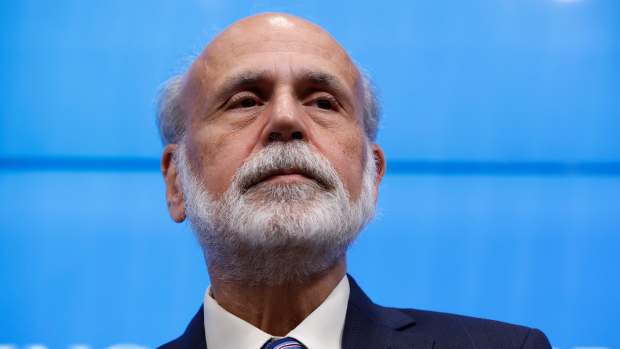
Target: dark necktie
<point>283,343</point>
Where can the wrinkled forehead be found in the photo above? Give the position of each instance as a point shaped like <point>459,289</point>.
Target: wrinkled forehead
<point>272,42</point>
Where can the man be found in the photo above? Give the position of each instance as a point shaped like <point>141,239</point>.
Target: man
<point>270,155</point>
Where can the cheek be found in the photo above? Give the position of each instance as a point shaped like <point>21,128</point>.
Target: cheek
<point>348,160</point>
<point>219,157</point>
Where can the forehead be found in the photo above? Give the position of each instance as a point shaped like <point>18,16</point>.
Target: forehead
<point>278,44</point>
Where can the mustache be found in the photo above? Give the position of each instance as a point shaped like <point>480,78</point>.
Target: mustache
<point>284,158</point>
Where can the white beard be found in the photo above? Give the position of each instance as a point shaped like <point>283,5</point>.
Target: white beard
<point>272,233</point>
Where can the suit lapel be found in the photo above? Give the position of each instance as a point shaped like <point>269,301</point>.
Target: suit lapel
<point>194,335</point>
<point>370,326</point>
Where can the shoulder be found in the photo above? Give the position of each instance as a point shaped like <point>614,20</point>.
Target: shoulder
<point>171,345</point>
<point>458,331</point>
<point>441,330</point>
<point>193,337</point>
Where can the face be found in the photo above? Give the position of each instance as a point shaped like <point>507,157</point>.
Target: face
<point>267,82</point>
<point>258,83</point>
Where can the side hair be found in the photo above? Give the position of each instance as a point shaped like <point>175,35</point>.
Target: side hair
<point>371,109</point>
<point>170,115</point>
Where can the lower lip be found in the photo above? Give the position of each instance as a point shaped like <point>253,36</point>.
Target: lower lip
<point>287,178</point>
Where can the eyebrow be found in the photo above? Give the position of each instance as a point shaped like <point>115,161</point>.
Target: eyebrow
<point>325,81</point>
<point>248,79</point>
<point>240,81</point>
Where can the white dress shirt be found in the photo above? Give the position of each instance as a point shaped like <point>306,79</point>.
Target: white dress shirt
<point>322,329</point>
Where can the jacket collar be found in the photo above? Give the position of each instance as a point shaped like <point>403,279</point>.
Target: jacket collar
<point>367,325</point>
<point>194,335</point>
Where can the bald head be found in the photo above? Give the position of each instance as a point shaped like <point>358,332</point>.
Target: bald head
<point>271,43</point>
<point>275,31</point>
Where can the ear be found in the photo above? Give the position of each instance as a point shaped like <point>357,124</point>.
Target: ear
<point>174,193</point>
<point>379,159</point>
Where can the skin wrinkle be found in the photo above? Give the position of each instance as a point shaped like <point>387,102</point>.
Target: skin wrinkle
<point>218,141</point>
<point>224,86</point>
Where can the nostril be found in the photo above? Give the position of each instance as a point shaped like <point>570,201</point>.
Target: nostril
<point>274,137</point>
<point>297,135</point>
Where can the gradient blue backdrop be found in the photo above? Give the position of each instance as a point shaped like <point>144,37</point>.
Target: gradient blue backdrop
<point>501,126</point>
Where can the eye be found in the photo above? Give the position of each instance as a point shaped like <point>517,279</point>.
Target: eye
<point>325,103</point>
<point>247,103</point>
<point>244,101</point>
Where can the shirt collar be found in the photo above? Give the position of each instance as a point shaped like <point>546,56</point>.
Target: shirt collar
<point>321,329</point>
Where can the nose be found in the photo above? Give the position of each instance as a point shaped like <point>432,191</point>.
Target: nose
<point>285,121</point>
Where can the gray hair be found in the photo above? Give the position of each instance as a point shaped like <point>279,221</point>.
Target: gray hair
<point>171,118</point>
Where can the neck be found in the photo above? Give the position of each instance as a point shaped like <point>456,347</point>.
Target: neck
<point>276,309</point>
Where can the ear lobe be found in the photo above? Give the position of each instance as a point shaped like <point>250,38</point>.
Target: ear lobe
<point>174,193</point>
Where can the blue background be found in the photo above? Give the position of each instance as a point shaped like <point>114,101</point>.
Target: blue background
<point>501,126</point>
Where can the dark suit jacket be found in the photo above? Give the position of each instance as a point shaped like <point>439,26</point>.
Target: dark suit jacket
<point>371,326</point>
